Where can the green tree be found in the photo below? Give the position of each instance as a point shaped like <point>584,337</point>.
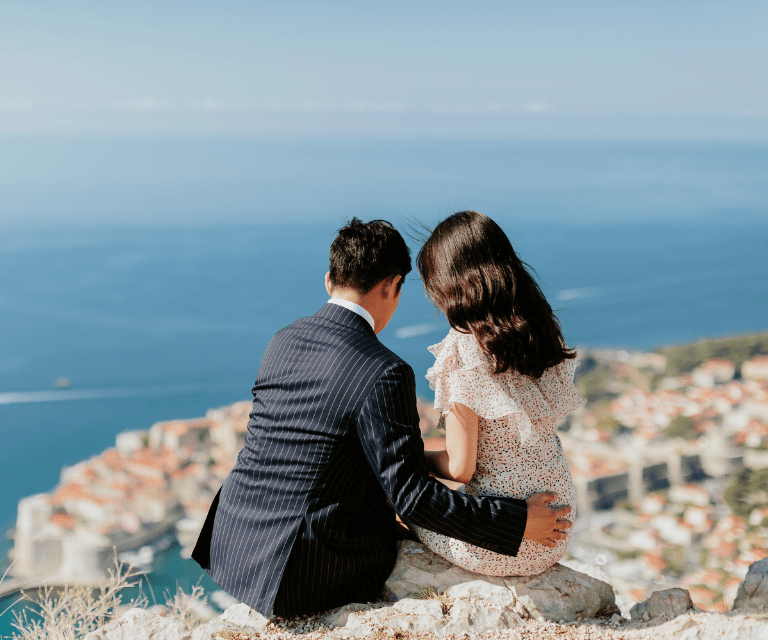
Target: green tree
<point>681,427</point>
<point>737,349</point>
<point>591,385</point>
<point>676,557</point>
<point>747,490</point>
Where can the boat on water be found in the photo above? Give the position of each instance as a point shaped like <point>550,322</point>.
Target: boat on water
<point>62,383</point>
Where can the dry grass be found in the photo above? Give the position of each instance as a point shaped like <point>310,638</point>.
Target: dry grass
<point>188,608</point>
<point>72,611</point>
<point>69,613</point>
<point>427,592</point>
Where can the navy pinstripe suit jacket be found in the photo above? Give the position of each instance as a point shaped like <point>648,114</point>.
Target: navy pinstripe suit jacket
<point>302,523</point>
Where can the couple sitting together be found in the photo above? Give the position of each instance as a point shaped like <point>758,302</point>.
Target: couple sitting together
<point>306,520</point>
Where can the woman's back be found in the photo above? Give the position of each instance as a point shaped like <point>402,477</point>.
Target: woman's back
<point>518,451</point>
<point>507,374</point>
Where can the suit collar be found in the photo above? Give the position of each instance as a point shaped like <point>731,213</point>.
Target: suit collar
<point>345,317</point>
<point>361,311</point>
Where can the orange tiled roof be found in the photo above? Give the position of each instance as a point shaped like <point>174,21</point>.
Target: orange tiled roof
<point>655,561</point>
<point>589,466</point>
<point>162,459</point>
<point>63,520</point>
<point>702,596</point>
<point>725,550</point>
<point>753,555</point>
<point>638,594</point>
<point>113,459</point>
<point>180,427</point>
<point>709,576</point>
<point>717,363</point>
<point>74,491</point>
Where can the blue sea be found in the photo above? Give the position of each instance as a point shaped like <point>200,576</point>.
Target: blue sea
<point>154,317</point>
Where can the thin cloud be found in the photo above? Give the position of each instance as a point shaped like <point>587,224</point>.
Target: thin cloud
<point>376,107</point>
<point>539,106</point>
<point>535,107</point>
<point>147,104</point>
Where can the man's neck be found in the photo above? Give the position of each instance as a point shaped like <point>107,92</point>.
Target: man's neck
<point>364,300</point>
<point>356,308</point>
<point>380,302</point>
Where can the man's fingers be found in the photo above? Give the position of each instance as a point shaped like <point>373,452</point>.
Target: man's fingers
<point>544,497</point>
<point>546,524</point>
<point>546,542</point>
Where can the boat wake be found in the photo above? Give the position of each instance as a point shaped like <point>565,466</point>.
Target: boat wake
<point>576,294</point>
<point>416,330</point>
<point>26,397</point>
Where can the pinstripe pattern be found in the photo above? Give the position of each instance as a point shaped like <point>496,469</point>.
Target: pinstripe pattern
<point>302,523</point>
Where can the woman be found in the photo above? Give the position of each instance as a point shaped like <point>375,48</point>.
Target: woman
<point>503,380</point>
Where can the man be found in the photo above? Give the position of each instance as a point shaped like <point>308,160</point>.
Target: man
<point>302,522</point>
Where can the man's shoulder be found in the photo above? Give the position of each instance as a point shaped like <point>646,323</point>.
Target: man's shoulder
<point>330,335</point>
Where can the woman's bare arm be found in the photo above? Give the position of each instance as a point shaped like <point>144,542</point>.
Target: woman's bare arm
<point>459,458</point>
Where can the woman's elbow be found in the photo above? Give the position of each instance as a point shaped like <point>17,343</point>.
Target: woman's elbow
<point>462,475</point>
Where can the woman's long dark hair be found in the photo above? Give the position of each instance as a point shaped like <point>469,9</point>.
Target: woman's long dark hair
<point>473,274</point>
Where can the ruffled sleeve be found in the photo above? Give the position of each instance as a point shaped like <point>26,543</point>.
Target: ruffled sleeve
<point>557,387</point>
<point>463,373</point>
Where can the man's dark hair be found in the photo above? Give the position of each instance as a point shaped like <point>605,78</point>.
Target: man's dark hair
<point>363,254</point>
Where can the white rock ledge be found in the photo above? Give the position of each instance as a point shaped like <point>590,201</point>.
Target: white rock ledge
<point>435,599</point>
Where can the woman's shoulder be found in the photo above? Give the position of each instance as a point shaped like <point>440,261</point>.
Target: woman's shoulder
<point>460,350</point>
<point>561,373</point>
<point>554,394</point>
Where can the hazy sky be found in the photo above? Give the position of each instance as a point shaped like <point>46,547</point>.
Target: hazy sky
<point>564,69</point>
<point>166,110</point>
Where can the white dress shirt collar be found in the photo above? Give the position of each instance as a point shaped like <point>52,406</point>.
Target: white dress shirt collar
<point>356,308</point>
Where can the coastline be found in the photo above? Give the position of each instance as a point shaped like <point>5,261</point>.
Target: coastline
<point>151,483</point>
<point>161,480</point>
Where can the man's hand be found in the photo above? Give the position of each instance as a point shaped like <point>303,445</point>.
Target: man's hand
<point>545,523</point>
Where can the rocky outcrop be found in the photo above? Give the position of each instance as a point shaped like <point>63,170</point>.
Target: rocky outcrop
<point>433,615</point>
<point>669,603</point>
<point>753,592</point>
<point>430,598</point>
<point>138,623</point>
<point>559,594</point>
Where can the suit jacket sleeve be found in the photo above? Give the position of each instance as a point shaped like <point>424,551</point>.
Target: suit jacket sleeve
<point>388,430</point>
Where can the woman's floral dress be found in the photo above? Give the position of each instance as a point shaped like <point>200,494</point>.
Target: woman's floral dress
<point>518,451</point>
